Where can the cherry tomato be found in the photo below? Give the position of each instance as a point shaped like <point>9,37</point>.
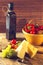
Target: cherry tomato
<point>15,46</point>
<point>12,46</point>
<point>13,41</point>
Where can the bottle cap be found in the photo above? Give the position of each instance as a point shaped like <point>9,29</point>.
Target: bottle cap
<point>10,6</point>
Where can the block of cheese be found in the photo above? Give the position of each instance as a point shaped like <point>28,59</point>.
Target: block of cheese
<point>26,47</point>
<point>31,50</point>
<point>21,50</point>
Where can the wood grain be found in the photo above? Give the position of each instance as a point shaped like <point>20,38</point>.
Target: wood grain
<point>37,60</point>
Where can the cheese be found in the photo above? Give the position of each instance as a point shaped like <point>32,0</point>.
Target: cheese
<point>31,50</point>
<point>21,50</point>
<point>26,47</point>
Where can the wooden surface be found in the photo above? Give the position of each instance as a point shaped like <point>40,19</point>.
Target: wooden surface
<point>25,10</point>
<point>37,60</point>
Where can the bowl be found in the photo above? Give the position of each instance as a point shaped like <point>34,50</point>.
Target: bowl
<point>35,39</point>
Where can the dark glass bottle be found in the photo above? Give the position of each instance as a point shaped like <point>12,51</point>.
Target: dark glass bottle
<point>10,23</point>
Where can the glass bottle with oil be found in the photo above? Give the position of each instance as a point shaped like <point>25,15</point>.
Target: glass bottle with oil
<point>10,22</point>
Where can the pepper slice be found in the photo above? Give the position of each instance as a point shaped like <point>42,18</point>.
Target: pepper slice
<point>41,27</point>
<point>29,28</point>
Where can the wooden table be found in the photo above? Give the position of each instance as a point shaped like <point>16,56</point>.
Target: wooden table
<point>37,60</point>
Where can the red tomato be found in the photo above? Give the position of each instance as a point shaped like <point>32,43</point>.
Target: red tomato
<point>12,46</point>
<point>13,41</point>
<point>15,46</point>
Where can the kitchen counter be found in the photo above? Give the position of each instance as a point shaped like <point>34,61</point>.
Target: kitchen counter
<point>37,60</point>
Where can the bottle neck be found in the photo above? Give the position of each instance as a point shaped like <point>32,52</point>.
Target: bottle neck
<point>10,10</point>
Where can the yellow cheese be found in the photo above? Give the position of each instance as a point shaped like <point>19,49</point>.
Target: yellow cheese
<point>21,50</point>
<point>31,50</point>
<point>0,54</point>
<point>26,47</point>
